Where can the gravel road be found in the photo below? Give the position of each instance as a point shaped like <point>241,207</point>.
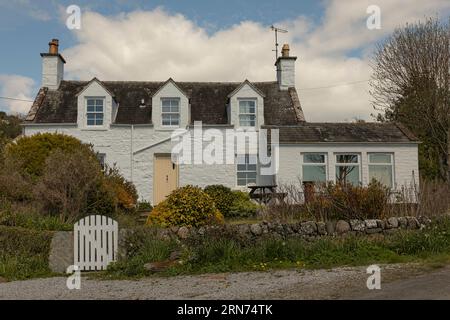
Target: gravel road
<point>339,283</point>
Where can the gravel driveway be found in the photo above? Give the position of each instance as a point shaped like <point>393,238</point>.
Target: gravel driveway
<point>285,284</point>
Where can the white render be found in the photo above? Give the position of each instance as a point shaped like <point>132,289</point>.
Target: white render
<point>286,72</point>
<point>406,170</point>
<point>52,71</point>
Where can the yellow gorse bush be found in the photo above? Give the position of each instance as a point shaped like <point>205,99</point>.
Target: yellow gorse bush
<point>186,206</point>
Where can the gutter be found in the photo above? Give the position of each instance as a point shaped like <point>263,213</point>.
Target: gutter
<point>49,124</point>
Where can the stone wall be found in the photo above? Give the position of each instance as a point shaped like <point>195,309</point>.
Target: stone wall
<point>61,252</point>
<point>308,229</point>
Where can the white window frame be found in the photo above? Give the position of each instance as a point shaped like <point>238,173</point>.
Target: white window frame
<point>178,113</point>
<point>255,101</point>
<point>391,155</point>
<point>95,112</point>
<point>350,164</point>
<point>246,171</point>
<point>325,163</point>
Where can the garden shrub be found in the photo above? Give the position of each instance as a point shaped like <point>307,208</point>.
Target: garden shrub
<point>222,196</point>
<point>144,206</point>
<point>124,191</point>
<point>32,151</point>
<point>63,177</point>
<point>242,205</point>
<point>32,220</point>
<point>15,185</point>
<point>72,186</point>
<point>346,201</point>
<point>186,206</point>
<point>24,253</point>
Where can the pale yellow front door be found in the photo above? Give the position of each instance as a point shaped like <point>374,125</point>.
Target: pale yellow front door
<point>165,177</point>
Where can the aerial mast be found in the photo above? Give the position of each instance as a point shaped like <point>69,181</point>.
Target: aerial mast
<point>276,30</point>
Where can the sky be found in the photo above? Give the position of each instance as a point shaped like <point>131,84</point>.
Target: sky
<point>207,40</point>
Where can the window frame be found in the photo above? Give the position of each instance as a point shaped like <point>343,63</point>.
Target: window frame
<point>358,164</point>
<point>178,113</point>
<point>247,155</point>
<point>95,112</point>
<point>255,101</point>
<point>315,164</point>
<point>391,164</point>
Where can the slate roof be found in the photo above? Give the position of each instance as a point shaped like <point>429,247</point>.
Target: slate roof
<point>313,132</point>
<point>282,110</point>
<point>208,102</point>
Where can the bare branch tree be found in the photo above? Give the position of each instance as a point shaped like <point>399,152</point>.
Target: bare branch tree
<point>410,84</point>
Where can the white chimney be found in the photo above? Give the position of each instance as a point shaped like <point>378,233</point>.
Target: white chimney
<point>285,69</point>
<point>52,66</point>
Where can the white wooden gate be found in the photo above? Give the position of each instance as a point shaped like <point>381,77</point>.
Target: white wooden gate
<point>95,242</point>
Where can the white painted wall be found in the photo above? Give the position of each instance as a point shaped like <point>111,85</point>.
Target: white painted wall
<point>405,160</point>
<point>52,71</point>
<point>286,72</point>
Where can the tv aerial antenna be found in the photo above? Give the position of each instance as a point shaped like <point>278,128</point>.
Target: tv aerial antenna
<point>276,30</point>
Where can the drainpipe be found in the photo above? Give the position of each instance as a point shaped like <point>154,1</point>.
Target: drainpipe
<point>131,153</point>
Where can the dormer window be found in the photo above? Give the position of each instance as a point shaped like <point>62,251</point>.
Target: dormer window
<point>94,108</point>
<point>170,112</point>
<point>247,112</point>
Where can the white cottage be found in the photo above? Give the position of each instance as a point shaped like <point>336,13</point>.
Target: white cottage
<point>130,124</point>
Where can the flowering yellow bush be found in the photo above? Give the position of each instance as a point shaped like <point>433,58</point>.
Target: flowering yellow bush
<point>186,206</point>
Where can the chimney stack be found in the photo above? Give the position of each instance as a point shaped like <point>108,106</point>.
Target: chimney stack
<point>52,66</point>
<point>53,46</point>
<point>285,50</point>
<point>285,69</point>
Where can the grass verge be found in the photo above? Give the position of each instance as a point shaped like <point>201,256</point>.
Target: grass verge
<point>24,253</point>
<point>223,254</point>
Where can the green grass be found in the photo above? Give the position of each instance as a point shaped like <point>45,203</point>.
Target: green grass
<point>34,221</point>
<point>24,253</point>
<point>222,254</point>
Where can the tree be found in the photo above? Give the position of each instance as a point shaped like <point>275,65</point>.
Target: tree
<point>9,129</point>
<point>410,84</point>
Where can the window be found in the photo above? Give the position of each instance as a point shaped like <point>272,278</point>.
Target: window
<point>247,113</point>
<point>246,169</point>
<point>170,112</point>
<point>94,107</point>
<point>101,157</point>
<point>381,168</point>
<point>347,168</point>
<point>314,168</point>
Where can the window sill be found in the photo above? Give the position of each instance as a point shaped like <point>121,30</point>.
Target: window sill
<point>168,128</point>
<point>94,129</point>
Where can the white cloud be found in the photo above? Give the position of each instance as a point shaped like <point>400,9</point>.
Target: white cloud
<point>18,87</point>
<point>156,45</point>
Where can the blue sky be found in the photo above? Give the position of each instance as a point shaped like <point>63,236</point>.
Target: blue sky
<point>206,41</point>
<point>28,26</point>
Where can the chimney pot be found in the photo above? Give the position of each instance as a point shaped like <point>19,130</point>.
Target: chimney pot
<point>285,50</point>
<point>53,46</point>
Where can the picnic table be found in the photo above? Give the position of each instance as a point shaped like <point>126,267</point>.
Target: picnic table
<point>265,193</point>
